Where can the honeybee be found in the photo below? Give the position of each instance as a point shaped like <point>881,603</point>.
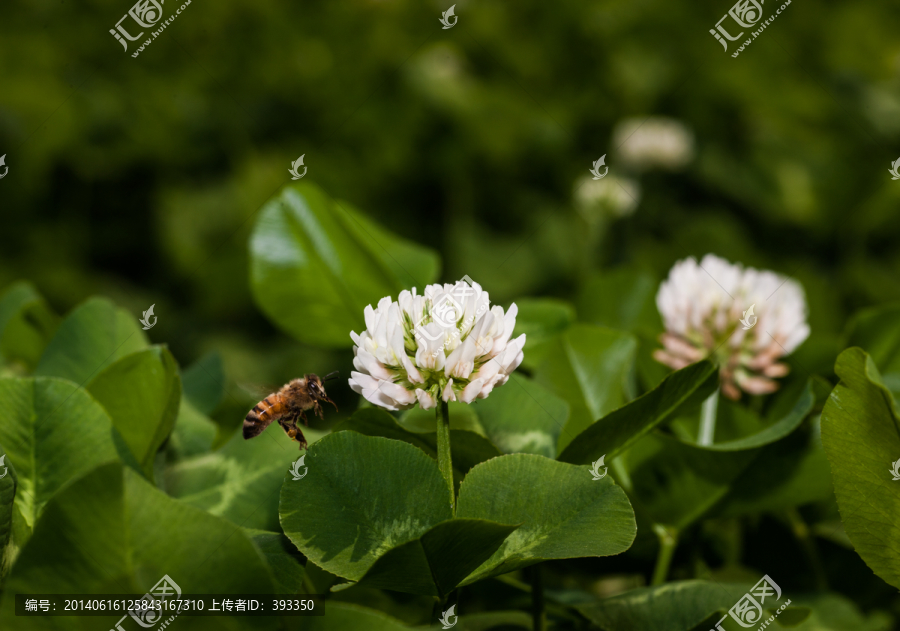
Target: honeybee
<point>291,402</point>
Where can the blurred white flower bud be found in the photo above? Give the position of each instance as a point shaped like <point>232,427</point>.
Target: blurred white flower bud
<point>656,141</point>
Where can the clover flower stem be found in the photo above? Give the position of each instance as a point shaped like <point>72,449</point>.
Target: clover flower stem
<point>708,419</point>
<point>668,540</point>
<point>553,606</point>
<point>445,463</point>
<point>538,616</point>
<point>308,584</point>
<point>808,545</point>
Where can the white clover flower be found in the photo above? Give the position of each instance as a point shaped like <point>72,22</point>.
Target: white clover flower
<point>448,344</point>
<point>655,141</point>
<point>701,318</point>
<point>613,195</point>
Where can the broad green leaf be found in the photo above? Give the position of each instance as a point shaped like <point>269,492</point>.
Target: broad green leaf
<point>616,431</point>
<point>349,617</point>
<point>590,367</point>
<point>563,512</point>
<point>467,448</point>
<point>7,503</point>
<point>774,431</point>
<point>193,434</point>
<point>861,435</point>
<point>523,417</point>
<point>282,557</point>
<point>26,324</point>
<point>699,605</point>
<point>435,563</point>
<point>316,264</point>
<point>677,483</point>
<point>141,394</point>
<point>52,432</point>
<point>241,481</point>
<point>361,497</point>
<point>788,473</point>
<point>204,382</point>
<point>622,299</point>
<point>94,335</point>
<point>383,544</point>
<point>110,531</point>
<point>541,320</point>
<point>676,606</point>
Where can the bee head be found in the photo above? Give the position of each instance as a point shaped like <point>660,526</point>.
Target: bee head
<point>317,389</point>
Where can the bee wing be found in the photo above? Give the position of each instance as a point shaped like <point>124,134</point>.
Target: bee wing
<point>257,391</point>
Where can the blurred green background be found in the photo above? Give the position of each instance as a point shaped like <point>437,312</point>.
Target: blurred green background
<point>140,178</point>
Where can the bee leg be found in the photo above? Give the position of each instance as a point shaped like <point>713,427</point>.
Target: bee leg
<point>303,416</point>
<point>289,425</point>
<point>332,403</point>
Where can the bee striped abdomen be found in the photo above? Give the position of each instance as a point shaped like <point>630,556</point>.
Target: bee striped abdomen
<point>262,414</point>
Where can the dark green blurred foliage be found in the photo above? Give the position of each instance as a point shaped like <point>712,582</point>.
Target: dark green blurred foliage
<point>141,179</point>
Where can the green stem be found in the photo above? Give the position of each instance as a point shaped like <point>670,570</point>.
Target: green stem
<point>552,605</point>
<point>537,599</point>
<point>804,538</point>
<point>308,584</point>
<point>708,419</point>
<point>668,540</point>
<point>445,463</point>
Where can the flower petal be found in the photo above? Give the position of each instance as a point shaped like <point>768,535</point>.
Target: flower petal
<point>426,401</point>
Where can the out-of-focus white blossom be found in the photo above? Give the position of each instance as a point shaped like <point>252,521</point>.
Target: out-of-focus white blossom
<point>613,195</point>
<point>448,344</point>
<point>653,142</point>
<point>701,318</point>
